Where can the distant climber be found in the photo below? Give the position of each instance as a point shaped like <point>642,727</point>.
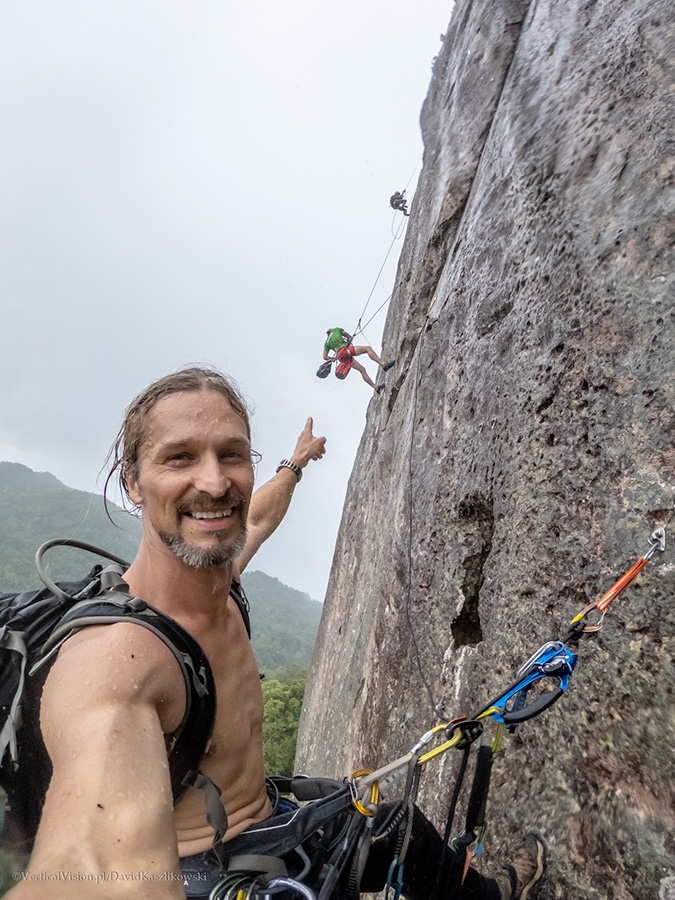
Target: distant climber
<point>398,201</point>
<point>339,342</point>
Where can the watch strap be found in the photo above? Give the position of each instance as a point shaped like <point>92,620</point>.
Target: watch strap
<point>289,464</point>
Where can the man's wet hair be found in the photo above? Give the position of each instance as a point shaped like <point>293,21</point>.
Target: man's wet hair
<point>123,456</point>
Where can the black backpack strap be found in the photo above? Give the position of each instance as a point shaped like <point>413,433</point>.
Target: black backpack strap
<point>187,745</point>
<point>239,597</point>
<point>13,641</point>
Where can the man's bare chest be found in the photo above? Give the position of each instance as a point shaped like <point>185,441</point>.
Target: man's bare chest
<point>239,699</point>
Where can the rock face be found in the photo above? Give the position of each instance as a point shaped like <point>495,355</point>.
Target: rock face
<point>522,451</point>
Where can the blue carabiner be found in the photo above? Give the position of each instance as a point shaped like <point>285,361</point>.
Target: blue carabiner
<point>553,660</point>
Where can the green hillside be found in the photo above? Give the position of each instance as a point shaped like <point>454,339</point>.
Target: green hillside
<point>36,507</point>
<point>284,622</point>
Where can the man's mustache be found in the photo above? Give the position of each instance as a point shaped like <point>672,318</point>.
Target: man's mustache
<point>202,502</point>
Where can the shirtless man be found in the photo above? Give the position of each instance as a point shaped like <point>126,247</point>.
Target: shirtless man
<point>109,829</point>
<point>115,691</point>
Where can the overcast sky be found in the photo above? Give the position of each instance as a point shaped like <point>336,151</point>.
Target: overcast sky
<point>191,181</point>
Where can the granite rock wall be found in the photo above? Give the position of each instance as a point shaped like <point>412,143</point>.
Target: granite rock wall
<point>523,449</point>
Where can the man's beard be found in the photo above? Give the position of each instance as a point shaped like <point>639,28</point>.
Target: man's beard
<point>202,557</point>
<point>207,557</point>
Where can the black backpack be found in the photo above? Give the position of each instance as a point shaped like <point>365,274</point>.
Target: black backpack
<point>33,626</point>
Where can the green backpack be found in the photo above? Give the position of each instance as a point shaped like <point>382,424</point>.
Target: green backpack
<point>337,338</point>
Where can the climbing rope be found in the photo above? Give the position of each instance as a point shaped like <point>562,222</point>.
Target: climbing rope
<point>358,329</point>
<point>396,235</point>
<point>439,713</point>
<point>384,302</point>
<point>397,230</point>
<point>363,327</point>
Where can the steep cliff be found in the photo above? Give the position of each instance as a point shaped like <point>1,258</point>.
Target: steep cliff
<point>523,451</point>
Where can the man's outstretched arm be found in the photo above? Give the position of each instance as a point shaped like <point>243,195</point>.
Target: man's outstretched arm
<point>270,502</point>
<point>107,828</point>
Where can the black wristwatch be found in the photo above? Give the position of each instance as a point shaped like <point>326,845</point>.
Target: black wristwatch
<point>294,467</point>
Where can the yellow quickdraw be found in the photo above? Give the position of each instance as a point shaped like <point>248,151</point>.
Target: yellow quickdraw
<point>454,740</point>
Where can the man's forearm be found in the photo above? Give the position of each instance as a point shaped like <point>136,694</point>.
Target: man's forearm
<point>269,504</point>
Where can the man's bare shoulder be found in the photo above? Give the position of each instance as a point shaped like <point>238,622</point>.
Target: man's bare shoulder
<point>123,663</point>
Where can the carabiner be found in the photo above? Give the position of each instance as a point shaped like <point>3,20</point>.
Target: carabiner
<point>552,660</point>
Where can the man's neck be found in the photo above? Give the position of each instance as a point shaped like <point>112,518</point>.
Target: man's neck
<point>159,577</point>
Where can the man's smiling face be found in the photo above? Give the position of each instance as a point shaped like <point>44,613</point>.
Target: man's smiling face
<point>194,477</point>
